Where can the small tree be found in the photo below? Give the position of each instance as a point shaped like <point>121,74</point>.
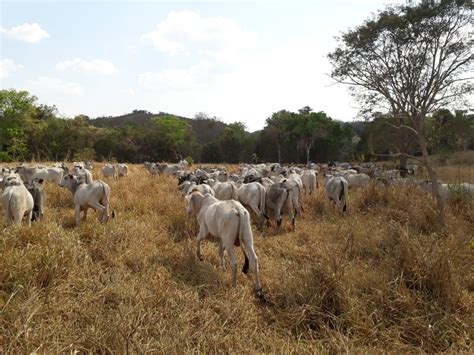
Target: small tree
<point>411,60</point>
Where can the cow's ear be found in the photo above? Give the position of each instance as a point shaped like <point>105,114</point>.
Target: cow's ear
<point>40,181</point>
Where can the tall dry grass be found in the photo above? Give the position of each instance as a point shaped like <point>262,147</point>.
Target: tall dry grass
<point>383,277</point>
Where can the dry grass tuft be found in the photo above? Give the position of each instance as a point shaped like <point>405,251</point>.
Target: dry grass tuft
<point>382,277</point>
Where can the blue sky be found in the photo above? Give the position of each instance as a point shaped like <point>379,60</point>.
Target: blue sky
<point>237,60</point>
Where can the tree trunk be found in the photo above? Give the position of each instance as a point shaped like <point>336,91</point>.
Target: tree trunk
<point>279,154</point>
<point>403,161</point>
<point>308,149</point>
<point>433,178</point>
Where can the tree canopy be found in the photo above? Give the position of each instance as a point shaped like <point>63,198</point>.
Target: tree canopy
<point>410,60</point>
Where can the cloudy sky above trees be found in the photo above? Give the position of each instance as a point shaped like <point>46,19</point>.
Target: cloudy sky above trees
<point>237,60</point>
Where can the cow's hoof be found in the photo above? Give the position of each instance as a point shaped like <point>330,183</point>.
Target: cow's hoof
<point>260,294</point>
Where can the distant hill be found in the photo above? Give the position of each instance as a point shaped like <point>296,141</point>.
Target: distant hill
<point>205,130</point>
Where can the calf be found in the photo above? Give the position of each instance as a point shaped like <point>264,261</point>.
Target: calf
<point>229,221</point>
<point>17,201</point>
<point>95,195</point>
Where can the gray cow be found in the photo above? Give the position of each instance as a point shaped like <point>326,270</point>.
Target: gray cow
<point>36,190</point>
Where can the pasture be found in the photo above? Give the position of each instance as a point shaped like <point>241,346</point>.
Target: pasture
<point>383,277</point>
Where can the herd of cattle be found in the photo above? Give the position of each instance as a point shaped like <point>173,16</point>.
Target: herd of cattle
<point>24,196</point>
<point>222,201</point>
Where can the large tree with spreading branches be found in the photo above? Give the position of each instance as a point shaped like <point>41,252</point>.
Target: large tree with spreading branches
<point>410,60</point>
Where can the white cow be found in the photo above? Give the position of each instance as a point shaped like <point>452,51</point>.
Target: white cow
<point>109,170</point>
<point>279,201</point>
<point>148,166</point>
<point>252,196</point>
<point>183,164</point>
<point>310,181</point>
<point>448,191</point>
<point>88,165</point>
<point>47,174</point>
<point>336,190</point>
<point>184,187</point>
<point>122,170</point>
<point>203,188</point>
<point>17,201</point>
<point>230,222</point>
<point>225,191</point>
<point>95,195</point>
<point>357,180</point>
<point>82,174</point>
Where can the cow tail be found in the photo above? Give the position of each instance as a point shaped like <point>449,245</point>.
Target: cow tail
<point>107,197</point>
<point>235,193</point>
<point>342,196</point>
<point>262,202</point>
<point>243,229</point>
<point>10,208</point>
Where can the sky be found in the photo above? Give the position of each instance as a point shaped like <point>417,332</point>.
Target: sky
<point>236,60</point>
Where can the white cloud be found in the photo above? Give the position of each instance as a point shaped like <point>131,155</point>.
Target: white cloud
<point>7,67</point>
<point>27,32</point>
<point>185,32</point>
<point>97,66</point>
<point>50,87</point>
<point>192,78</point>
<point>258,84</point>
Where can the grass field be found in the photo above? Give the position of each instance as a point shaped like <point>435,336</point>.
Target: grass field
<point>383,277</point>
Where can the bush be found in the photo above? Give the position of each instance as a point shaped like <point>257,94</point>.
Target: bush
<point>4,156</point>
<point>190,160</point>
<point>84,154</point>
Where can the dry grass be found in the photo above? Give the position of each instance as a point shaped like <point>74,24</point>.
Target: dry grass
<point>381,278</point>
<point>453,168</point>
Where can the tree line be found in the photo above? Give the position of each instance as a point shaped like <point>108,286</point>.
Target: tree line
<point>32,131</point>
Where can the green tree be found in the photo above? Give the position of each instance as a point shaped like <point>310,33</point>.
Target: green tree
<point>281,124</point>
<point>310,126</point>
<point>231,142</point>
<point>171,135</point>
<point>411,60</point>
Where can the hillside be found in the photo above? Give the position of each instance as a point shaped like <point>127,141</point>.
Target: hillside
<point>205,130</point>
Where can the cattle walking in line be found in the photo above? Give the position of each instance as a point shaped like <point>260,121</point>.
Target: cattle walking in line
<point>95,195</point>
<point>16,200</point>
<point>230,222</point>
